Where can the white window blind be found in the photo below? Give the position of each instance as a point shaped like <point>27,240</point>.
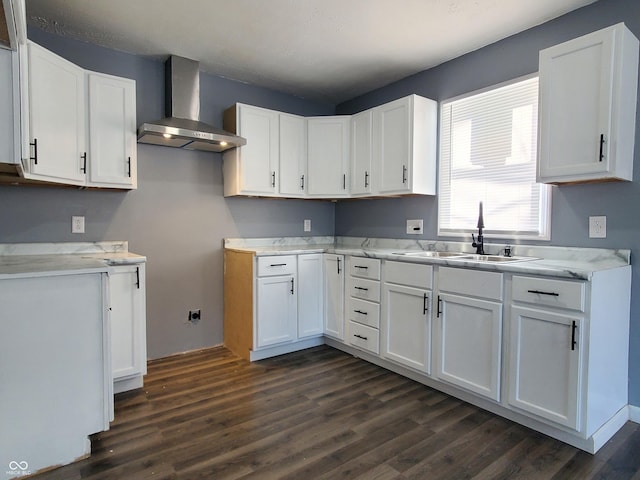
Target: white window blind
<point>488,148</point>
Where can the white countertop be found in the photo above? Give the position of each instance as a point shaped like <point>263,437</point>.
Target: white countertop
<point>564,262</point>
<point>40,259</point>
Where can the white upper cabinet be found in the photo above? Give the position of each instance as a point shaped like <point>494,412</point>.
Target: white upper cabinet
<point>253,168</point>
<point>588,89</point>
<point>293,155</point>
<point>55,146</point>
<point>361,153</point>
<point>404,146</point>
<point>9,114</point>
<point>79,127</point>
<point>112,131</point>
<point>328,156</point>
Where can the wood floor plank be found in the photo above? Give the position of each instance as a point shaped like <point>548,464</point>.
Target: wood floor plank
<point>321,414</point>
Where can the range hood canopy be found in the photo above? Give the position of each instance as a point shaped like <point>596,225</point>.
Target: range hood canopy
<point>182,127</point>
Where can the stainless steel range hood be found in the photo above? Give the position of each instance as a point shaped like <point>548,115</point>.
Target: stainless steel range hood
<point>182,127</point>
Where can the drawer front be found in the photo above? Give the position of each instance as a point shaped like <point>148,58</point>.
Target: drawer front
<point>411,274</point>
<point>276,265</point>
<point>470,282</point>
<point>367,313</point>
<point>365,289</point>
<point>364,267</point>
<point>554,293</point>
<point>364,337</point>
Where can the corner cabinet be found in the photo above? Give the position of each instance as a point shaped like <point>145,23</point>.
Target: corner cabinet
<point>83,135</point>
<point>404,146</point>
<point>588,93</point>
<point>128,326</point>
<point>328,143</point>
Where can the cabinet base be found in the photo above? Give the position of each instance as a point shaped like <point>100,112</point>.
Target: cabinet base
<point>590,445</point>
<point>128,383</point>
<point>286,348</point>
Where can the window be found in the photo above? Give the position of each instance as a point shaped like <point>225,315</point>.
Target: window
<point>488,147</point>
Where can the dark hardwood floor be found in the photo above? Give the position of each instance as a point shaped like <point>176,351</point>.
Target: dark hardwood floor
<point>321,414</point>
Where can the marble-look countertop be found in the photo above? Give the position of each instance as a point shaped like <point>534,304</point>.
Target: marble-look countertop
<point>39,259</point>
<point>564,262</point>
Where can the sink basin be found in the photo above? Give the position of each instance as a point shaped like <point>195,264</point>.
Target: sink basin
<point>430,254</point>
<point>494,258</point>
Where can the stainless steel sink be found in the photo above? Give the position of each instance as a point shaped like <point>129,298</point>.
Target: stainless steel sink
<point>494,258</point>
<point>429,254</point>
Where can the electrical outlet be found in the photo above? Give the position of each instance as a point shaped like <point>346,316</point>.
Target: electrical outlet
<point>307,225</point>
<point>414,227</point>
<point>77,224</point>
<point>194,316</point>
<point>598,227</point>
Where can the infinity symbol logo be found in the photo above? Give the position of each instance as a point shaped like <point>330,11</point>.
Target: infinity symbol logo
<point>13,465</point>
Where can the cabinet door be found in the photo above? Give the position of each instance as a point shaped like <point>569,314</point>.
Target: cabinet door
<point>469,344</point>
<point>392,131</point>
<point>407,326</point>
<point>582,107</point>
<point>128,321</point>
<point>310,295</point>
<point>276,310</point>
<point>544,368</point>
<point>328,156</point>
<point>334,295</point>
<point>57,118</point>
<point>259,157</point>
<point>9,115</point>
<point>361,125</point>
<point>112,131</point>
<point>293,155</point>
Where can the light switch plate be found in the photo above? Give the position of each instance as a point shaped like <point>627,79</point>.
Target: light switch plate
<point>598,227</point>
<point>414,227</point>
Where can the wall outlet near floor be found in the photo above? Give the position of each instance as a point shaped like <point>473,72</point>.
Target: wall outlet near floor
<point>194,316</point>
<point>77,224</point>
<point>598,227</point>
<point>307,225</point>
<point>414,227</point>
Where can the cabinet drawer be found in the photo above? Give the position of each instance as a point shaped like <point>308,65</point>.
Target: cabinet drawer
<point>471,282</point>
<point>365,337</point>
<point>411,274</point>
<point>367,313</point>
<point>276,265</point>
<point>544,291</point>
<point>366,289</point>
<point>364,267</point>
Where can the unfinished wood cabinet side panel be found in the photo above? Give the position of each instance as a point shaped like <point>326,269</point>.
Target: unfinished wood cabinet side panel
<point>238,302</point>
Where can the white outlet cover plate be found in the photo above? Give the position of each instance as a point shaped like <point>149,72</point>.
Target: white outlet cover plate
<point>307,225</point>
<point>77,224</point>
<point>598,227</point>
<point>414,227</point>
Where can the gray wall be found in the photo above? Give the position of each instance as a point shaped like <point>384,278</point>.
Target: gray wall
<point>571,205</point>
<point>178,216</point>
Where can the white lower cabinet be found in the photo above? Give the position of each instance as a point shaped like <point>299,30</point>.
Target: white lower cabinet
<point>468,331</point>
<point>406,314</point>
<point>276,302</point>
<point>545,364</point>
<point>128,326</point>
<point>310,295</point>
<point>334,295</point>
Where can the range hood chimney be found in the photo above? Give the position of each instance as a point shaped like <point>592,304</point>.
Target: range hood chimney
<point>182,127</point>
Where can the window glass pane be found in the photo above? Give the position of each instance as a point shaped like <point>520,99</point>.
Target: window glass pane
<point>488,148</point>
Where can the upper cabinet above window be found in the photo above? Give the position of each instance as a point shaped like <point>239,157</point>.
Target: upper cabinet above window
<point>587,113</point>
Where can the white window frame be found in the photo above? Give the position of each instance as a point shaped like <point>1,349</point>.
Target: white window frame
<point>544,232</point>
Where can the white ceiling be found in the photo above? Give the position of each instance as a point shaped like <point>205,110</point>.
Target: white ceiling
<point>328,50</point>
